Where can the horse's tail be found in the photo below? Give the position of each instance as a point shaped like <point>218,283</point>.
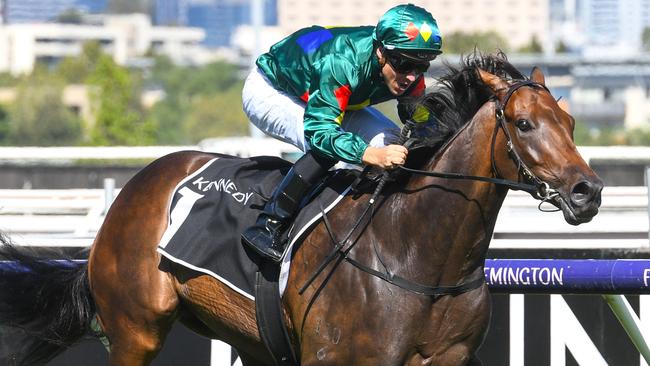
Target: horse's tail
<point>45,305</point>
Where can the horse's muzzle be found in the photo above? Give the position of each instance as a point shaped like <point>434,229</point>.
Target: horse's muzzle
<point>581,204</point>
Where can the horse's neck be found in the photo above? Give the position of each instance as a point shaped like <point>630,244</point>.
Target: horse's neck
<point>469,152</point>
<point>457,216</point>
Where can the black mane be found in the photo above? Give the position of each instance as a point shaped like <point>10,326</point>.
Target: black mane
<point>459,94</point>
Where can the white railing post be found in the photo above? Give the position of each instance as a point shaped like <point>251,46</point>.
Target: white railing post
<point>109,193</point>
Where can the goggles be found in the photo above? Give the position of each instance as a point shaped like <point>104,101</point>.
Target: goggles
<point>404,65</point>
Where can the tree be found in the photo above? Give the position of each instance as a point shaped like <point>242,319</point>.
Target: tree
<point>215,77</point>
<point>119,119</point>
<point>561,47</point>
<point>217,115</point>
<point>129,6</point>
<point>169,113</point>
<point>645,38</point>
<point>609,136</point>
<point>168,116</point>
<point>533,47</point>
<point>464,43</point>
<point>4,124</point>
<point>38,117</point>
<point>185,115</point>
<point>8,80</point>
<point>70,16</point>
<point>75,70</point>
<point>190,81</point>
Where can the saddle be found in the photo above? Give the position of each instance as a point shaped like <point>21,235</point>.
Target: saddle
<point>211,207</point>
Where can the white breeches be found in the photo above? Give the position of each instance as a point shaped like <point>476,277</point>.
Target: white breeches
<point>281,115</point>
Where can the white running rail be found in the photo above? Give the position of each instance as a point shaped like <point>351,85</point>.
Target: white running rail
<point>71,217</point>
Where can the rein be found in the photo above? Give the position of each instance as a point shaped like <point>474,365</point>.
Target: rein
<point>539,189</point>
<point>503,182</point>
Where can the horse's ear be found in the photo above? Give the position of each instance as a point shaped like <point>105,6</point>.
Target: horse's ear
<point>498,85</point>
<point>537,75</point>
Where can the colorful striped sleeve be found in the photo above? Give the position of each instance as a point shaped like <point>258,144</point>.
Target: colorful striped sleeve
<point>332,84</point>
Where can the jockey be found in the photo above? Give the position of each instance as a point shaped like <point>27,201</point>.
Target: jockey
<point>314,89</point>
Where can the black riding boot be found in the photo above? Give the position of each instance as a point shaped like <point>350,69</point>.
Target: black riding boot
<point>264,236</point>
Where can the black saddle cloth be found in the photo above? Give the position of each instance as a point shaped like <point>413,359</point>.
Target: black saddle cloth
<point>210,208</point>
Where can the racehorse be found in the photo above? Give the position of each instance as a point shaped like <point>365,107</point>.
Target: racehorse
<point>431,232</point>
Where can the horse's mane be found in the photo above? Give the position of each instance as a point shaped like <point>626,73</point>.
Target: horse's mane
<point>458,95</point>
<point>455,98</point>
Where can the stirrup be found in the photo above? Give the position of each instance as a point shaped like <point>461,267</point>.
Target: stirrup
<point>267,253</point>
<point>262,239</point>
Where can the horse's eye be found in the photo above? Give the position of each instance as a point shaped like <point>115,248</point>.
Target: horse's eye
<point>524,125</point>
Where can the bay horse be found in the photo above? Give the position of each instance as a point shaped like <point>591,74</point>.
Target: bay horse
<point>432,231</point>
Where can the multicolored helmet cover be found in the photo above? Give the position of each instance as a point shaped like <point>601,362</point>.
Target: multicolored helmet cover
<point>411,30</point>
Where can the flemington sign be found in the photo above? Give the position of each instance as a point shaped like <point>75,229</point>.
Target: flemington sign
<point>525,277</point>
<point>590,276</point>
<point>572,323</point>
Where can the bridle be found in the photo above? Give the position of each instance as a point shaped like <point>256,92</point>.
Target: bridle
<point>532,184</point>
<point>543,191</point>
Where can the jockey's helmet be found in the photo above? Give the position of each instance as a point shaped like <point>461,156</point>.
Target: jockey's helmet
<point>410,30</point>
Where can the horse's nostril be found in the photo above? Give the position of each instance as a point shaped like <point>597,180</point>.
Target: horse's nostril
<point>582,193</point>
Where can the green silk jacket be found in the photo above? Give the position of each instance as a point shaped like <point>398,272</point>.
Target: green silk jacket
<point>333,70</point>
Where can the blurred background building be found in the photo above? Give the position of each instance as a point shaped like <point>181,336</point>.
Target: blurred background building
<point>594,52</point>
<point>31,11</point>
<point>219,18</point>
<point>606,28</point>
<point>519,20</point>
<point>124,37</point>
<point>613,27</point>
<point>586,27</point>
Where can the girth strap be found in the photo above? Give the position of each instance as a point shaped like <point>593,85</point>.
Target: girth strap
<point>268,309</point>
<point>476,280</point>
